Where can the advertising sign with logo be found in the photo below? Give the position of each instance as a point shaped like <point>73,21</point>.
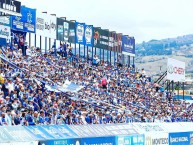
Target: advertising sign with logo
<point>25,23</point>
<point>60,29</point>
<point>5,20</point>
<point>128,45</point>
<point>71,32</point>
<point>61,142</point>
<point>156,139</point>
<point>80,28</point>
<point>89,35</point>
<point>66,31</point>
<point>111,41</point>
<point>11,7</point>
<point>99,141</point>
<point>130,140</point>
<point>29,19</point>
<point>181,138</point>
<point>118,40</point>
<point>5,32</point>
<point>46,25</point>
<point>175,70</point>
<point>101,38</point>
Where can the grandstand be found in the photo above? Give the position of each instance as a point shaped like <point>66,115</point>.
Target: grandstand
<point>69,94</point>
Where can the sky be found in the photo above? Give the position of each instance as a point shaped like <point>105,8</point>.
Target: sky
<point>143,19</point>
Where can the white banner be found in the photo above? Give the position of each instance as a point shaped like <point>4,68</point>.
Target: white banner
<point>5,32</point>
<point>157,139</point>
<point>46,25</point>
<point>175,70</point>
<point>21,143</point>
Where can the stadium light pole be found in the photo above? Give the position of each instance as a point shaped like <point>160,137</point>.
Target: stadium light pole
<point>113,49</point>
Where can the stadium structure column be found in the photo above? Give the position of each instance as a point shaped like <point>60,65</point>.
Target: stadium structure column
<point>29,40</point>
<point>35,40</point>
<point>79,49</point>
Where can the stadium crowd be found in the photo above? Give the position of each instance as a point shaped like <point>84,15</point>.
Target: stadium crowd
<point>109,93</point>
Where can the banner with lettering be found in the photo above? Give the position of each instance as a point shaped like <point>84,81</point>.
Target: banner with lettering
<point>101,38</point>
<point>181,138</point>
<point>80,31</point>
<point>99,141</point>
<point>5,20</point>
<point>61,142</point>
<point>128,45</point>
<point>5,32</point>
<point>111,41</point>
<point>130,140</point>
<point>89,35</point>
<point>26,22</point>
<point>156,139</point>
<point>71,32</point>
<point>60,29</point>
<point>46,25</point>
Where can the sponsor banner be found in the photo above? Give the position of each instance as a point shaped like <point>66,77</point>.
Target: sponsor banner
<point>101,38</point>
<point>5,32</point>
<point>46,25</point>
<point>61,142</point>
<point>66,31</point>
<point>71,32</point>
<point>128,45</point>
<point>26,22</point>
<point>80,31</point>
<point>5,20</point>
<point>99,141</point>
<point>118,40</point>
<point>175,70</point>
<point>21,143</point>
<point>10,6</point>
<point>60,29</point>
<point>111,41</point>
<point>181,138</point>
<point>156,139</point>
<point>130,140</point>
<point>89,35</point>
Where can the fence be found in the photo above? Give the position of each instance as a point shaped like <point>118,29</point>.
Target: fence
<point>109,134</point>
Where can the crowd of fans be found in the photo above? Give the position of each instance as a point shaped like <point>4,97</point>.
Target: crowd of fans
<point>109,93</point>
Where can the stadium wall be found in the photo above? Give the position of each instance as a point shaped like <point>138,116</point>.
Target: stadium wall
<point>110,134</point>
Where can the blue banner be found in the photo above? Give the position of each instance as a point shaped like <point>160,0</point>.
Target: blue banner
<point>131,140</point>
<point>89,35</point>
<point>61,142</point>
<point>27,22</point>
<point>99,141</point>
<point>182,138</point>
<point>80,31</point>
<point>128,45</point>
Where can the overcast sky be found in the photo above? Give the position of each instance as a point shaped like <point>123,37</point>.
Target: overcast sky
<point>143,19</point>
